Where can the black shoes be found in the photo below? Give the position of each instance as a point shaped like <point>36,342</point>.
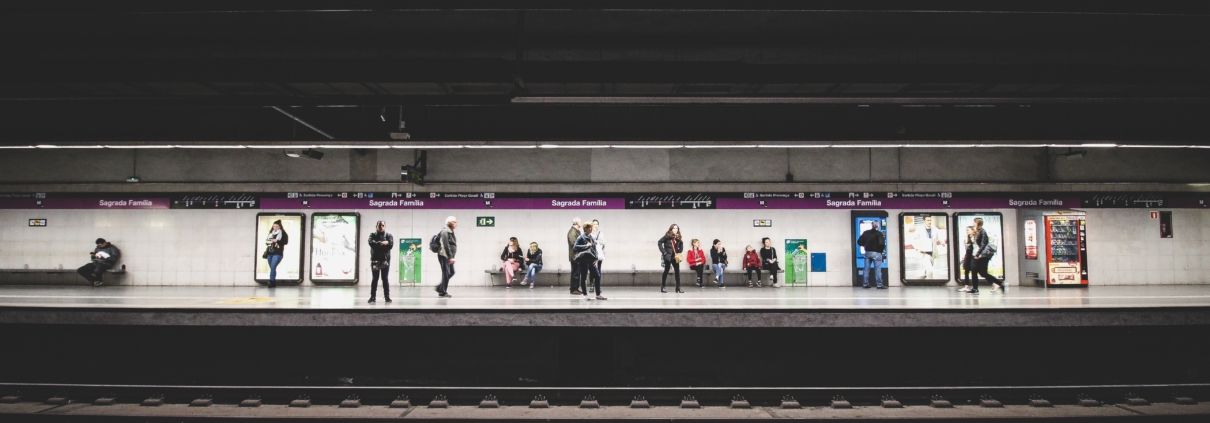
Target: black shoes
<point>680,292</point>
<point>882,287</point>
<point>372,300</point>
<point>865,287</point>
<point>445,296</point>
<point>387,299</point>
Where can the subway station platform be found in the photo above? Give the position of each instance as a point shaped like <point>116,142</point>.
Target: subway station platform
<point>1176,305</point>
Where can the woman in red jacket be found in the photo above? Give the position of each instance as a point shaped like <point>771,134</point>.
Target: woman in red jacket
<point>752,264</point>
<point>697,260</point>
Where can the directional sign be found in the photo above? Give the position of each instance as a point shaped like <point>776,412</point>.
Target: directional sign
<point>485,221</point>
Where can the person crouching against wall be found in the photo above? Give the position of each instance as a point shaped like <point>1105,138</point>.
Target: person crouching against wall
<point>102,258</point>
<point>697,260</point>
<point>586,260</point>
<point>533,263</point>
<point>512,257</point>
<point>752,265</point>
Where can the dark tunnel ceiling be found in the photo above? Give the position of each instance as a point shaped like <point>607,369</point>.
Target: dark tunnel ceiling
<point>488,70</point>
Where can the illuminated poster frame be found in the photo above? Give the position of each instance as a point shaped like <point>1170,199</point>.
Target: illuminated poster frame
<point>997,267</point>
<point>856,218</point>
<point>910,235</point>
<point>332,249</point>
<point>292,223</point>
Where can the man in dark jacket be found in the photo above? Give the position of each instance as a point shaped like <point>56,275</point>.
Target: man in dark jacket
<point>445,255</point>
<point>572,235</point>
<point>381,243</point>
<point>104,257</point>
<point>874,243</point>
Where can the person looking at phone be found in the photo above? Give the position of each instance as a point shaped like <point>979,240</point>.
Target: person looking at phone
<point>102,258</point>
<point>381,243</point>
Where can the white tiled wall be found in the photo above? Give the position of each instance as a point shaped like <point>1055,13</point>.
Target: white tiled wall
<point>219,247</point>
<point>1125,248</point>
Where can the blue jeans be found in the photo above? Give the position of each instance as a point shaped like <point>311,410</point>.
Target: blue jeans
<point>718,272</point>
<point>274,260</point>
<point>873,260</point>
<point>533,269</point>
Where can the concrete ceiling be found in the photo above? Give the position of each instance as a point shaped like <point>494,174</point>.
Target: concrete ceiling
<point>724,70</point>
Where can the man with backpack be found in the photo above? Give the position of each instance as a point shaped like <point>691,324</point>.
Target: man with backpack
<point>874,243</point>
<point>446,246</point>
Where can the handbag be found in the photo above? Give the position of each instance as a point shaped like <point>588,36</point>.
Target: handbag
<point>269,248</point>
<point>679,257</point>
<point>586,253</point>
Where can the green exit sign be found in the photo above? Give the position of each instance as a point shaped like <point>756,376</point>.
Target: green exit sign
<point>487,221</point>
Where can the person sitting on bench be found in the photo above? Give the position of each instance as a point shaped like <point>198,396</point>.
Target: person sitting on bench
<point>103,258</point>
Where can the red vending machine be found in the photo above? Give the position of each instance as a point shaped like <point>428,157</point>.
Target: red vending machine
<point>1061,259</point>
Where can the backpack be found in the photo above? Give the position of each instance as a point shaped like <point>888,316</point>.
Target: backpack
<point>435,243</point>
<point>877,243</point>
<point>991,247</point>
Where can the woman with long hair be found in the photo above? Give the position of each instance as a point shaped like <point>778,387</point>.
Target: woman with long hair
<point>671,247</point>
<point>697,260</point>
<point>512,257</point>
<point>718,256</point>
<point>533,262</point>
<point>768,260</point>
<point>983,256</point>
<point>968,260</point>
<point>274,242</point>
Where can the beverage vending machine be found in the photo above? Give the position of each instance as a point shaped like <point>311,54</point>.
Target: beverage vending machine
<point>1055,248</point>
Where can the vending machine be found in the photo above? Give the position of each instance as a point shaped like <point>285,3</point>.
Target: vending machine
<point>1055,247</point>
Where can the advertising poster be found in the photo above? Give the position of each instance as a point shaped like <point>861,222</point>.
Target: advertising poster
<point>993,223</point>
<point>334,247</point>
<point>1031,239</point>
<point>411,250</point>
<point>798,261</point>
<point>924,247</point>
<point>290,267</point>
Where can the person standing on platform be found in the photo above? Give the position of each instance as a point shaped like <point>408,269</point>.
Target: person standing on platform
<point>381,244</point>
<point>983,256</point>
<point>513,258</point>
<point>103,258</point>
<point>572,235</point>
<point>768,260</point>
<point>448,248</point>
<point>533,263</point>
<point>752,264</point>
<point>586,258</point>
<point>875,247</point>
<point>598,240</point>
<point>718,258</point>
<point>697,260</point>
<point>273,250</point>
<point>968,260</point>
<point>671,248</point>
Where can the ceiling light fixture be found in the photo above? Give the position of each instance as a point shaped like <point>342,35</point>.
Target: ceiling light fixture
<point>645,146</point>
<point>309,153</point>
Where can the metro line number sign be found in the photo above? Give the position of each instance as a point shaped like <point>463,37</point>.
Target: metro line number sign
<point>485,221</point>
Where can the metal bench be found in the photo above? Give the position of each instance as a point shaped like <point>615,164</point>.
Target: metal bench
<point>634,275</point>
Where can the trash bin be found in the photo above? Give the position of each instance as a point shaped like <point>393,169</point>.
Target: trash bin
<point>800,268</point>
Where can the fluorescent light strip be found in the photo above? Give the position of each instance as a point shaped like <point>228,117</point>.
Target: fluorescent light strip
<point>868,146</point>
<point>1010,145</point>
<point>1154,146</point>
<point>645,146</point>
<point>426,147</point>
<point>1098,145</point>
<point>794,145</point>
<point>209,146</point>
<point>17,146</point>
<point>352,146</point>
<point>721,146</point>
<point>938,145</point>
<point>139,146</point>
<point>501,146</point>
